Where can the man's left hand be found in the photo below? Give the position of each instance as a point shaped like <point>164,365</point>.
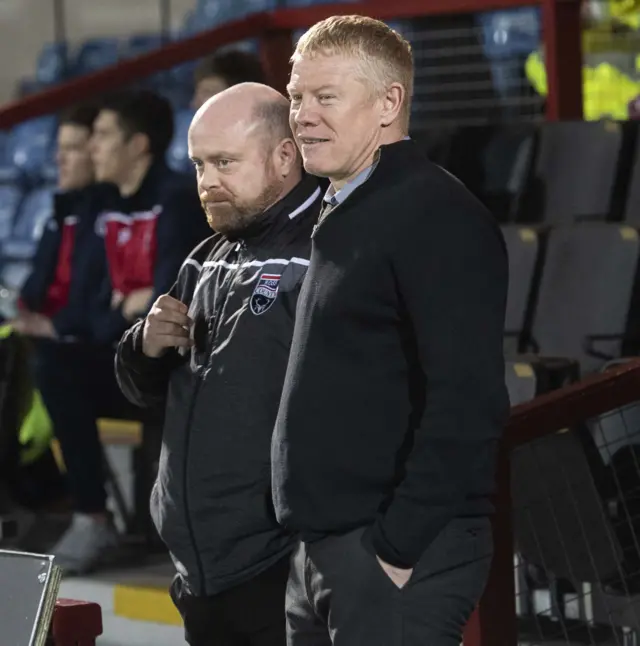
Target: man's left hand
<point>399,576</point>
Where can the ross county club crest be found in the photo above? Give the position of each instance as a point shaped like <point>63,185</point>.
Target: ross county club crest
<point>264,293</point>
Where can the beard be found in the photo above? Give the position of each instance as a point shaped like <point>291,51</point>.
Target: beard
<point>230,215</point>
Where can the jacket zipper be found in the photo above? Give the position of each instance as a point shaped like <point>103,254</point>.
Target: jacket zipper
<point>192,405</point>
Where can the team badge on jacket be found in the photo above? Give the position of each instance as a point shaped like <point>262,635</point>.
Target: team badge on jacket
<point>265,293</point>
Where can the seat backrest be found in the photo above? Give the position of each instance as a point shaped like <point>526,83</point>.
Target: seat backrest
<point>178,152</point>
<point>575,172</point>
<point>10,197</point>
<point>140,44</point>
<point>35,210</point>
<point>493,162</point>
<point>522,246</point>
<point>52,63</point>
<point>632,204</point>
<point>521,381</point>
<point>586,288</point>
<point>31,144</point>
<point>96,53</point>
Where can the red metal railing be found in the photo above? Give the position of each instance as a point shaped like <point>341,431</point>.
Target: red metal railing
<point>561,34</point>
<point>494,623</point>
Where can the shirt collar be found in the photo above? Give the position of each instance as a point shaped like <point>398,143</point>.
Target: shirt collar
<point>333,197</point>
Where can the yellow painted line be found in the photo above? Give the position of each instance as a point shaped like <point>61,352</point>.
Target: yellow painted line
<point>145,604</point>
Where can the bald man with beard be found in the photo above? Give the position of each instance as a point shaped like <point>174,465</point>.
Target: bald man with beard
<point>213,352</point>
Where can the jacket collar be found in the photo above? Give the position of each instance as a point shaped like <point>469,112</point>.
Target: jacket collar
<point>279,216</point>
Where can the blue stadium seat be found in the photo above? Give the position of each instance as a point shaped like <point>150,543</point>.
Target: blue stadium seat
<point>178,153</point>
<point>51,67</point>
<point>31,145</point>
<point>96,53</point>
<point>8,172</point>
<point>35,210</point>
<point>140,44</point>
<point>10,197</point>
<point>309,3</point>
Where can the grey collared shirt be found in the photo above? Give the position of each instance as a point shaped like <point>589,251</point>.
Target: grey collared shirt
<point>333,197</point>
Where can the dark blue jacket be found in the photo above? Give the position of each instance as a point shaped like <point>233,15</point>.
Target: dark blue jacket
<point>146,238</point>
<point>78,209</point>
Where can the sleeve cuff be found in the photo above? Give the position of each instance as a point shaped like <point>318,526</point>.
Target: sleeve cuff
<point>387,552</point>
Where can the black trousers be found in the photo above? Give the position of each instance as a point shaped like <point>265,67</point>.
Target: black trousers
<point>78,385</point>
<point>250,614</point>
<point>339,594</point>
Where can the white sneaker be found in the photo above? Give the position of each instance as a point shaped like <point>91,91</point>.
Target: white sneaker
<point>85,544</point>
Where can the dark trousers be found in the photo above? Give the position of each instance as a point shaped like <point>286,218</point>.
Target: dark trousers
<point>339,594</point>
<point>78,385</point>
<point>250,614</point>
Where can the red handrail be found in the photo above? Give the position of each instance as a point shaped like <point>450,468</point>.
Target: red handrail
<point>274,30</point>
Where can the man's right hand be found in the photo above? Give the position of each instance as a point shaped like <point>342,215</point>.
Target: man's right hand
<point>166,326</point>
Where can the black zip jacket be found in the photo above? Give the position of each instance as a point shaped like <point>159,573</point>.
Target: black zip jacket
<point>87,272</point>
<point>146,237</point>
<point>395,400</point>
<point>212,500</point>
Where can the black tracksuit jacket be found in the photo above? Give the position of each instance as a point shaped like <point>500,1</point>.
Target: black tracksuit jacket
<point>212,499</point>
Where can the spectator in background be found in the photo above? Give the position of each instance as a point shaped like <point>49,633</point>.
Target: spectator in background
<point>222,70</point>
<point>144,232</point>
<point>55,297</point>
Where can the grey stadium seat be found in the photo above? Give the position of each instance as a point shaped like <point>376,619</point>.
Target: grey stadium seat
<point>585,293</point>
<point>523,245</point>
<point>575,172</point>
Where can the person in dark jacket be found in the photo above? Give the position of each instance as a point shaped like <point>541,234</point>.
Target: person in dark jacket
<point>143,232</point>
<point>394,402</point>
<point>213,352</point>
<point>55,297</point>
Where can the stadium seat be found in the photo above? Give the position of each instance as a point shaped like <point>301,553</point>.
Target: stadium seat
<point>583,309</point>
<point>631,213</point>
<point>10,197</point>
<point>96,53</point>
<point>523,246</point>
<point>8,172</point>
<point>178,153</point>
<point>35,210</point>
<point>53,63</point>
<point>494,162</point>
<point>140,44</point>
<point>310,3</point>
<point>575,173</point>
<point>31,145</point>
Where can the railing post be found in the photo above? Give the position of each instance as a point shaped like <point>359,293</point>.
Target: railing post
<point>76,623</point>
<point>562,36</point>
<point>276,47</point>
<point>494,621</point>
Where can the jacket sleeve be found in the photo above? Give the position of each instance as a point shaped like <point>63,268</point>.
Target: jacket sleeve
<point>74,319</point>
<point>34,289</point>
<point>181,226</point>
<point>451,275</point>
<point>107,323</point>
<point>143,380</point>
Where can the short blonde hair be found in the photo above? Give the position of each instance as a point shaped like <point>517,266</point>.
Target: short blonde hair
<point>385,56</point>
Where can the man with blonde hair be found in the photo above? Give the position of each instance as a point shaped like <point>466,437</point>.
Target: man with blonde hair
<point>383,454</point>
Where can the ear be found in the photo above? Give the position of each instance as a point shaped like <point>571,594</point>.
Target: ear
<point>286,155</point>
<point>392,101</point>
